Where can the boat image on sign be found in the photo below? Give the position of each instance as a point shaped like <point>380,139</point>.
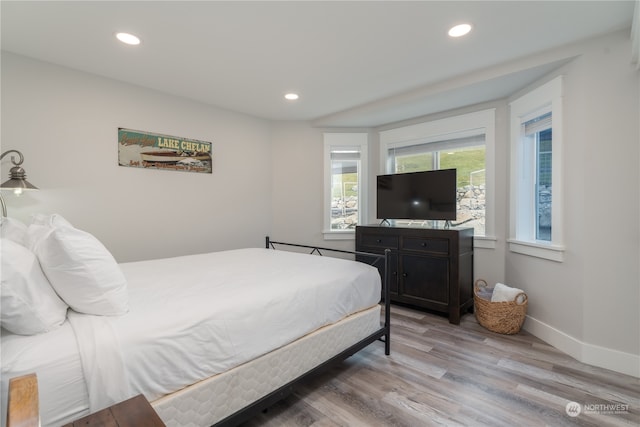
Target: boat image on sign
<point>171,156</point>
<point>177,160</point>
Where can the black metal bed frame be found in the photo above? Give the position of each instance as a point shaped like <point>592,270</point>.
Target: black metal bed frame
<point>383,334</point>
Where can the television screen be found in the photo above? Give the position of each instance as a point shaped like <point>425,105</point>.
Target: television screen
<point>429,195</point>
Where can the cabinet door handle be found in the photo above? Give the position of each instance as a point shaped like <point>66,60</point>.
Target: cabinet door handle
<point>424,244</point>
<point>378,240</point>
<point>404,274</point>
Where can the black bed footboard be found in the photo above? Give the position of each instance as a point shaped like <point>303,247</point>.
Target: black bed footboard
<point>380,261</point>
<point>382,334</point>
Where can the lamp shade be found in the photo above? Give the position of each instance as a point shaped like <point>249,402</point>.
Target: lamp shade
<point>17,181</point>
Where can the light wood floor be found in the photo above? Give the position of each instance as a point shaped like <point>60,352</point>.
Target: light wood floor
<point>445,375</point>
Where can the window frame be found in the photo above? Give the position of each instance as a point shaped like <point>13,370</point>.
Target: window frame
<point>545,98</point>
<point>460,126</point>
<point>345,141</point>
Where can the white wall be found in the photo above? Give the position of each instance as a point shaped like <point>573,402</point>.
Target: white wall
<point>297,182</point>
<point>588,304</point>
<point>65,123</point>
<point>298,188</point>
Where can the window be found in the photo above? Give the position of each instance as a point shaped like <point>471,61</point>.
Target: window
<point>464,143</point>
<point>536,143</point>
<point>537,134</point>
<point>345,183</point>
<point>467,156</point>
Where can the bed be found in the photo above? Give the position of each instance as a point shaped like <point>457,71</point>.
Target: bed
<point>209,339</point>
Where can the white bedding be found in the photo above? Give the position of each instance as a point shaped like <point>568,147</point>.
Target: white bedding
<point>190,318</point>
<point>54,357</point>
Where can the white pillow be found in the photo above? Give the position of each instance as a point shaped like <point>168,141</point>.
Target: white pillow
<point>80,269</point>
<point>13,229</point>
<point>50,220</point>
<point>28,303</point>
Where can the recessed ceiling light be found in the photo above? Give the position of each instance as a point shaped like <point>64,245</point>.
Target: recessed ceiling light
<point>459,30</point>
<point>291,96</point>
<point>128,38</point>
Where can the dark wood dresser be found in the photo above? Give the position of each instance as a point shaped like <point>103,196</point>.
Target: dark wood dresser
<point>429,268</point>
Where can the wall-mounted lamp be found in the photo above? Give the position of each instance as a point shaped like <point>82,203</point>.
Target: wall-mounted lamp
<point>17,181</point>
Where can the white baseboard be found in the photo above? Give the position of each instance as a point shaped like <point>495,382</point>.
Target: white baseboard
<point>603,357</point>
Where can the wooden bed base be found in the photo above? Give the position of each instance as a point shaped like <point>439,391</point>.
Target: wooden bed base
<point>382,334</point>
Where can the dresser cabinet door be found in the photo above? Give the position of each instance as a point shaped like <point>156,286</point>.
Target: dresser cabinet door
<point>393,274</point>
<point>425,278</point>
<point>393,267</point>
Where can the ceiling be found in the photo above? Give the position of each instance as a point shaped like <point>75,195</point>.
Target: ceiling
<point>354,63</point>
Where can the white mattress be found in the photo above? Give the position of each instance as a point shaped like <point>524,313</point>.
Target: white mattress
<point>191,318</point>
<point>212,400</point>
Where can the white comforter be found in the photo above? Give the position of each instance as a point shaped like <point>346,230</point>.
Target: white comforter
<point>192,317</point>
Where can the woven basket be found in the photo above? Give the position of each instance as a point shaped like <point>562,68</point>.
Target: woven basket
<point>501,317</point>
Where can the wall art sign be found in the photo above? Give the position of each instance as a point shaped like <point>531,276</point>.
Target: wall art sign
<point>147,150</point>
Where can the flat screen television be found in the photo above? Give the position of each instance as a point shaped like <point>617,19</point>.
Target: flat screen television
<point>429,195</point>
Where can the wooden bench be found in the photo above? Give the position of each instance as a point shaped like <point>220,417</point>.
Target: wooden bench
<point>23,409</point>
<point>134,412</point>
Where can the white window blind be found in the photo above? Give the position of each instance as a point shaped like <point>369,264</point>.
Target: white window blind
<point>443,145</point>
<point>537,124</point>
